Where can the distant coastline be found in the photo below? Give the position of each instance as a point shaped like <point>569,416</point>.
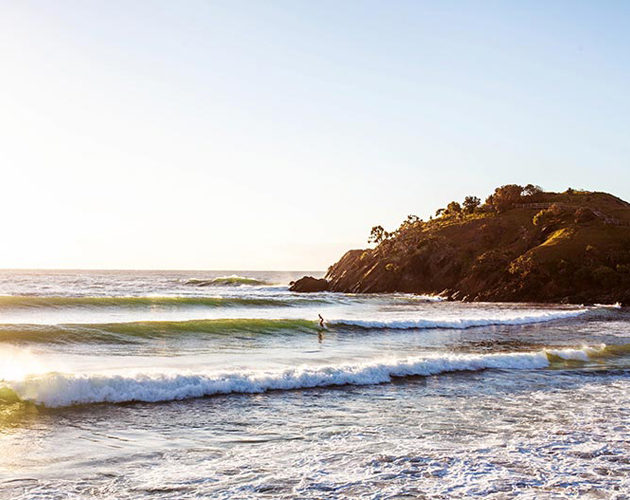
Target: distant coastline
<point>522,245</point>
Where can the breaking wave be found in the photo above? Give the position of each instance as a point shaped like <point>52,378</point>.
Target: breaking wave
<point>616,305</point>
<point>233,280</point>
<point>27,301</point>
<point>131,331</point>
<point>461,323</point>
<point>139,330</point>
<point>62,389</point>
<point>588,353</point>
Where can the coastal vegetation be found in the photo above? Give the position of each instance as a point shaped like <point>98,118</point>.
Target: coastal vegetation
<point>521,244</point>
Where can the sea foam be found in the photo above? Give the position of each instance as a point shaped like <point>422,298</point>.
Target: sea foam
<point>65,389</point>
<point>512,318</point>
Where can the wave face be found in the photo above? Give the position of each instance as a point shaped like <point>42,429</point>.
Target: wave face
<point>60,389</point>
<point>126,332</point>
<point>233,280</point>
<point>25,301</point>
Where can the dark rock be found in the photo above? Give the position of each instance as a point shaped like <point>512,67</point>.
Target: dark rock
<point>309,284</point>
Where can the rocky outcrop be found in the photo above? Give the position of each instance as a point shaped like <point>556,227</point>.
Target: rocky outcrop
<point>309,284</point>
<point>569,247</point>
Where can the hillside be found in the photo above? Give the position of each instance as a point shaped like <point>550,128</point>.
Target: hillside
<point>523,244</point>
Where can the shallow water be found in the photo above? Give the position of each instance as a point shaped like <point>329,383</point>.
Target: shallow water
<point>182,385</point>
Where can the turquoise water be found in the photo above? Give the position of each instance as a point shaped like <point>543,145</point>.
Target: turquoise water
<point>223,385</point>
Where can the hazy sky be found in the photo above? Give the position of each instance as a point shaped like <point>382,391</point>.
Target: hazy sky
<point>274,134</point>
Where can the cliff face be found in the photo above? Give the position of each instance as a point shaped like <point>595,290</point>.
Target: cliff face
<point>551,247</point>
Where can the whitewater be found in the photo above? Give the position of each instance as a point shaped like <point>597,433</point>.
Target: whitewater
<point>180,384</point>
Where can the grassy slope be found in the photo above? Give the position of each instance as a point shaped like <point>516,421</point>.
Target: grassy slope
<point>504,256</point>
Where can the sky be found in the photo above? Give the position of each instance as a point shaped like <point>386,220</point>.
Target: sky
<point>272,135</point>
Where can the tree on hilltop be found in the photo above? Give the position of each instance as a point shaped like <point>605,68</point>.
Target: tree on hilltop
<point>377,234</point>
<point>453,208</point>
<point>506,196</point>
<point>410,222</point>
<point>471,203</point>
<point>532,190</point>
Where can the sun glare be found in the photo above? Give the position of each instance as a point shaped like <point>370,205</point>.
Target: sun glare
<point>17,364</point>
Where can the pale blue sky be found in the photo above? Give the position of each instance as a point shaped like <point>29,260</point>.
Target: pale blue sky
<point>273,135</point>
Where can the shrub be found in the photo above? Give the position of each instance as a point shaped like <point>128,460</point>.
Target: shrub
<point>540,218</point>
<point>490,261</point>
<point>410,222</point>
<point>605,276</point>
<point>583,274</point>
<point>623,268</point>
<point>549,216</point>
<point>583,215</point>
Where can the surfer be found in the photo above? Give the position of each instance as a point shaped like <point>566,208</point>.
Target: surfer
<point>322,326</point>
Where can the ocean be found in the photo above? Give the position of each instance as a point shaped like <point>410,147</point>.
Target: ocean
<point>181,384</point>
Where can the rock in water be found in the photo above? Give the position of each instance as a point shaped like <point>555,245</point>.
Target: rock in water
<point>309,284</point>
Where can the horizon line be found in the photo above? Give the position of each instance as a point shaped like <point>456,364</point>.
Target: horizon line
<point>156,269</point>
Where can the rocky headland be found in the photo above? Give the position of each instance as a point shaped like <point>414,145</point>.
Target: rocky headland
<point>522,244</point>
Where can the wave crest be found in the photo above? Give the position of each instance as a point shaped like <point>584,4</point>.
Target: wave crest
<point>461,323</point>
<point>28,301</point>
<point>139,330</point>
<point>61,389</point>
<point>233,280</point>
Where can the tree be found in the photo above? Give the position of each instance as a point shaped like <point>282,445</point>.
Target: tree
<point>488,204</point>
<point>409,223</point>
<point>377,234</point>
<point>505,197</point>
<point>453,208</point>
<point>471,203</point>
<point>532,190</point>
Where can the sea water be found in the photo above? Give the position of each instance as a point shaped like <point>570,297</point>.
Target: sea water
<point>125,384</point>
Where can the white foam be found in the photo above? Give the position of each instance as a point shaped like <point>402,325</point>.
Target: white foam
<point>510,318</point>
<point>570,354</point>
<point>616,305</point>
<point>64,389</point>
<point>586,353</point>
